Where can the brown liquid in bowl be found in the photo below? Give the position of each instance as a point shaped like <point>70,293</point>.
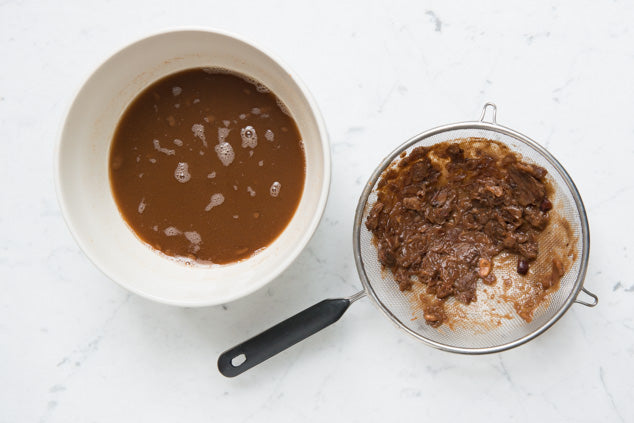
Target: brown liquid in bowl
<point>207,165</point>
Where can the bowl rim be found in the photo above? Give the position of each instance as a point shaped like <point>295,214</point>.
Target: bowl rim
<point>293,253</point>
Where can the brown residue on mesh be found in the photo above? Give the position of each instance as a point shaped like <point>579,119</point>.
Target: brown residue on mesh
<point>501,293</point>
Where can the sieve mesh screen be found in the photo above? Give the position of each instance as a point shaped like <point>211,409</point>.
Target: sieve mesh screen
<point>489,323</point>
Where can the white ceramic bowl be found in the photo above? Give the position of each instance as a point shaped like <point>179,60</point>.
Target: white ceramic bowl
<point>81,168</point>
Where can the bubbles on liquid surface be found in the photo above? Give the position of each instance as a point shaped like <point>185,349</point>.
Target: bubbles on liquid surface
<point>225,153</point>
<point>223,133</point>
<point>261,88</point>
<point>261,163</point>
<point>196,101</point>
<point>211,175</point>
<point>176,91</point>
<point>256,111</point>
<point>195,239</point>
<point>152,160</point>
<point>157,146</point>
<point>269,135</point>
<point>171,231</point>
<point>178,142</point>
<point>282,107</point>
<point>249,137</point>
<point>141,207</point>
<point>181,173</point>
<point>243,116</point>
<point>155,228</point>
<point>214,201</point>
<point>226,122</point>
<point>251,191</point>
<point>275,189</point>
<point>199,132</point>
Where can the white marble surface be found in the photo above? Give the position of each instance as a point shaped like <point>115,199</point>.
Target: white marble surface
<point>76,348</point>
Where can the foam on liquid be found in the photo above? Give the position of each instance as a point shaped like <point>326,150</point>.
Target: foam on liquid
<point>215,200</point>
<point>157,146</point>
<point>195,239</point>
<point>142,205</point>
<point>275,189</point>
<point>249,137</point>
<point>225,153</point>
<point>199,132</point>
<point>223,133</point>
<point>181,173</point>
<point>171,231</point>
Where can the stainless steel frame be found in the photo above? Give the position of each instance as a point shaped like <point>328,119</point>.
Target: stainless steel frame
<point>491,126</point>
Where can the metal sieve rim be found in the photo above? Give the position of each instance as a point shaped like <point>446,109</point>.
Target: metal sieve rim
<point>475,125</point>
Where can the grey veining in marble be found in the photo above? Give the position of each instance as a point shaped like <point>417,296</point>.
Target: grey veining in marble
<point>75,347</point>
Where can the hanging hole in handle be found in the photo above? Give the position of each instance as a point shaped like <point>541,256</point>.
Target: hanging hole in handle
<point>494,111</point>
<point>238,360</point>
<point>595,299</point>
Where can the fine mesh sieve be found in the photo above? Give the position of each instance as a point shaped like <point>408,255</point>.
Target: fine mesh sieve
<point>487,325</point>
<point>472,336</point>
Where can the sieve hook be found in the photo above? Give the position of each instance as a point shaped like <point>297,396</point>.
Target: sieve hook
<point>494,111</point>
<point>595,299</point>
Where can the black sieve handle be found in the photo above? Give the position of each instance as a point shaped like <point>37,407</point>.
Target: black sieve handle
<point>282,336</point>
